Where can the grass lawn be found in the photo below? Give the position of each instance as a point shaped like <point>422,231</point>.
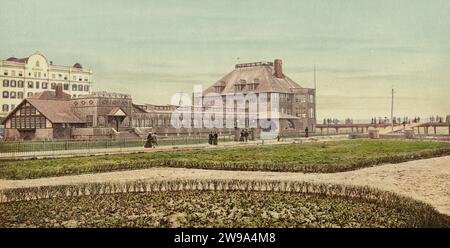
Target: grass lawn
<point>216,209</point>
<point>311,157</point>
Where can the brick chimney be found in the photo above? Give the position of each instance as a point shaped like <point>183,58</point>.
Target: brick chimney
<point>59,91</point>
<point>278,66</point>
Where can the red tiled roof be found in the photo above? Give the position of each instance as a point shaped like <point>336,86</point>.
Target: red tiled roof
<point>56,111</point>
<point>13,59</point>
<point>263,74</point>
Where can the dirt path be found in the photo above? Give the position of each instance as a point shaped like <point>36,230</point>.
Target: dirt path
<point>426,180</point>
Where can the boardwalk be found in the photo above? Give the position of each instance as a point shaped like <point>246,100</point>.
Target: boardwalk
<point>425,180</point>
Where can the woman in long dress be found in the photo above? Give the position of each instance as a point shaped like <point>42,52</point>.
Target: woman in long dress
<point>149,142</point>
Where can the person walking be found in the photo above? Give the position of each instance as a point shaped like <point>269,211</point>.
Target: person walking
<point>155,140</point>
<point>148,143</point>
<point>306,132</point>
<point>245,135</point>
<point>210,138</point>
<point>216,138</point>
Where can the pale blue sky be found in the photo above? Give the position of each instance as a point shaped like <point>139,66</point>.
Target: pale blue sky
<point>153,49</point>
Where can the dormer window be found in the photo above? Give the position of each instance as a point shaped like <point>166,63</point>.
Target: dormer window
<point>219,87</point>
<point>253,85</point>
<point>37,63</point>
<point>239,86</point>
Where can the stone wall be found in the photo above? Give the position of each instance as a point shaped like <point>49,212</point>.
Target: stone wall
<point>92,133</point>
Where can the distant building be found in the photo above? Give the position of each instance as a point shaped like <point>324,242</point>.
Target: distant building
<point>23,77</point>
<point>296,103</point>
<point>58,114</point>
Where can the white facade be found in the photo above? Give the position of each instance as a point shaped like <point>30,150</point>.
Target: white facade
<point>22,78</point>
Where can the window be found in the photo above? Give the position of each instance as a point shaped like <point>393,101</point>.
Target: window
<point>20,95</point>
<point>30,84</point>
<point>13,83</point>
<point>86,80</point>
<point>37,85</point>
<point>5,94</point>
<point>20,84</point>
<point>35,74</point>
<point>5,83</point>
<point>65,77</point>
<point>20,74</point>
<point>74,87</point>
<point>13,106</point>
<point>13,73</point>
<point>53,86</point>
<point>80,79</point>
<point>89,120</point>
<point>5,73</point>
<point>80,87</point>
<point>86,88</point>
<point>12,94</point>
<point>42,122</point>
<point>37,63</point>
<point>53,76</point>
<point>5,108</point>
<point>44,85</point>
<point>66,86</point>
<point>30,94</point>
<point>39,74</point>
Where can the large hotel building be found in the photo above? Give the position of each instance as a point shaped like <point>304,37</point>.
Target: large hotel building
<point>23,77</point>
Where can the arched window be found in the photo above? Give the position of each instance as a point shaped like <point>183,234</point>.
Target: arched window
<point>20,95</point>
<point>20,84</point>
<point>30,84</point>
<point>5,94</point>
<point>30,94</point>
<point>37,63</point>
<point>5,107</point>
<point>5,83</point>
<point>74,87</point>
<point>13,83</point>
<point>12,94</point>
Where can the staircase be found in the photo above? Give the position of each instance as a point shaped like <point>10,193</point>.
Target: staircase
<point>399,128</point>
<point>127,134</point>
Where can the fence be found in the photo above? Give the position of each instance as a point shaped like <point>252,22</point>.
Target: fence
<point>67,147</point>
<point>13,149</point>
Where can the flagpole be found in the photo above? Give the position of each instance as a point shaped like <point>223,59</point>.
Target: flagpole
<point>392,111</point>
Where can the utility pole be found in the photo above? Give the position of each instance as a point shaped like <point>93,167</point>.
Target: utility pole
<point>392,111</point>
<point>315,98</point>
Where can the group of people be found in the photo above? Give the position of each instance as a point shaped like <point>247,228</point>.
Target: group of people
<point>213,138</point>
<point>152,141</point>
<point>244,135</point>
<point>437,119</point>
<point>379,120</point>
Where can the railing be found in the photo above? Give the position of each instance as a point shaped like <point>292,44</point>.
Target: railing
<point>14,149</point>
<point>63,147</point>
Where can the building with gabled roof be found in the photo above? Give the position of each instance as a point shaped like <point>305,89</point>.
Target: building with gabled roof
<point>296,103</point>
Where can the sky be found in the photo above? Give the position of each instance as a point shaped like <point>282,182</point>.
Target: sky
<point>154,49</point>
